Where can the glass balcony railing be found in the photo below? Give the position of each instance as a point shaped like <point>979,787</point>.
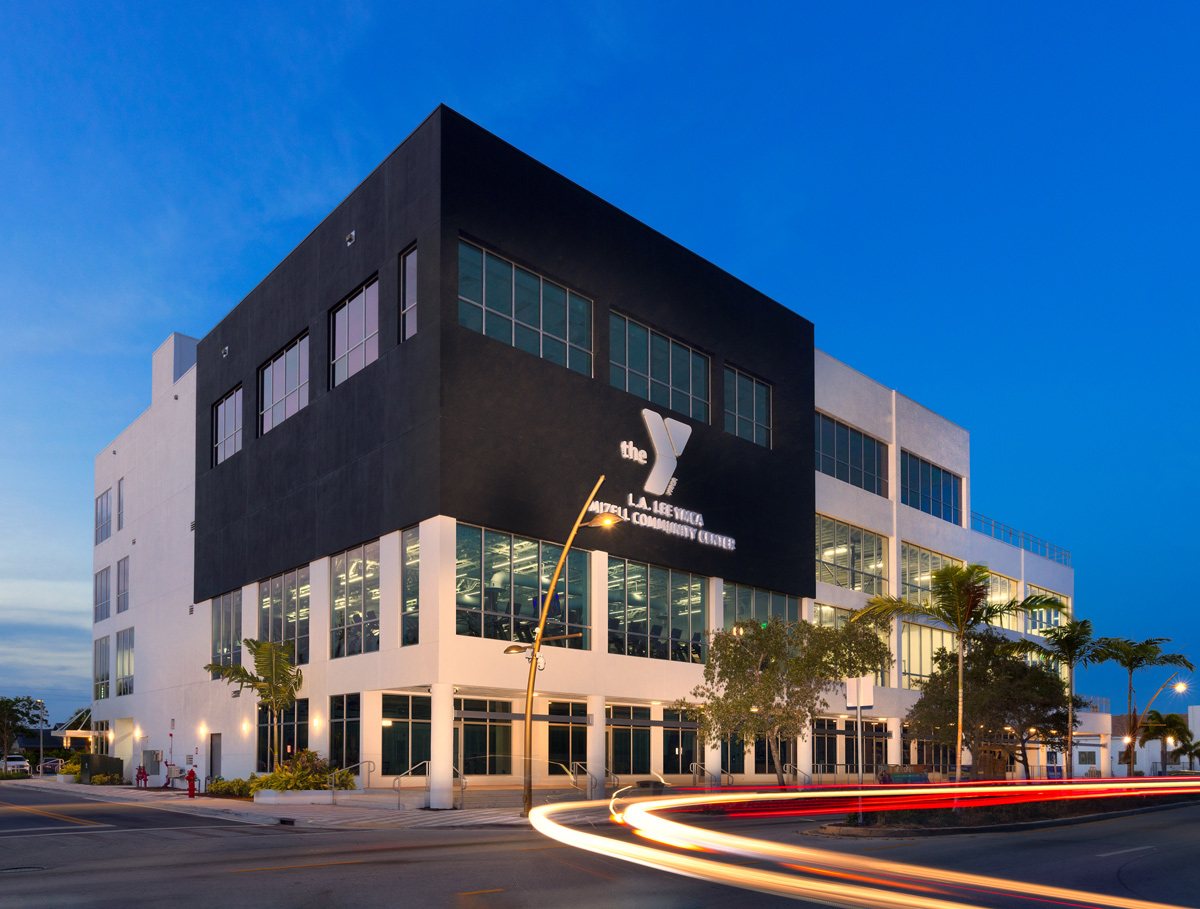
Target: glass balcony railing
<point>1020,539</point>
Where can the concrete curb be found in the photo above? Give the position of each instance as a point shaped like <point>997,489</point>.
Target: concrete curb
<point>910,832</point>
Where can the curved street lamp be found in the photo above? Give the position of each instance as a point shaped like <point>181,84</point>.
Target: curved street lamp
<point>608,519</point>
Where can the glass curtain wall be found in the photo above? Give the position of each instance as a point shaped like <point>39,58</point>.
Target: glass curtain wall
<point>656,612</point>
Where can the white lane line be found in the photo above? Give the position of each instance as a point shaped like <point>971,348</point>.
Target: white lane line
<point>1121,851</point>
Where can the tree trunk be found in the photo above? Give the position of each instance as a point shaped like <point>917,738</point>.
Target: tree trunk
<point>958,752</point>
<point>1131,732</point>
<point>773,749</point>
<point>1024,759</point>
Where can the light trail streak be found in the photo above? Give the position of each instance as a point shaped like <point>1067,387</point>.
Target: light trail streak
<point>838,879</point>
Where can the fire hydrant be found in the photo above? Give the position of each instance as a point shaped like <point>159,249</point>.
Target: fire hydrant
<point>191,781</point>
<point>143,778</point>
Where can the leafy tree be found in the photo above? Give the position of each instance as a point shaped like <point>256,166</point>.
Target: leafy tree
<point>959,601</point>
<point>1161,727</point>
<point>17,716</point>
<point>275,680</point>
<point>1006,703</point>
<point>767,679</point>
<point>1071,644</point>
<point>1134,656</point>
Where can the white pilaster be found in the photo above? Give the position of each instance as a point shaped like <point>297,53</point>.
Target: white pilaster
<point>597,757</point>
<point>441,742</point>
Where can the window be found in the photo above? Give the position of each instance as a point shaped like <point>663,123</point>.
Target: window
<point>283,611</point>
<point>918,644</point>
<point>121,504</point>
<point>733,754</point>
<point>355,333</point>
<point>567,738</point>
<point>655,612</point>
<point>517,307</point>
<point>227,629</point>
<point>917,566</point>
<point>1038,621</point>
<point>751,604</point>
<point>874,746</point>
<point>354,582</point>
<point>836,617</point>
<point>657,368</point>
<point>502,582</point>
<point>125,662</point>
<point>104,516</point>
<point>680,747</point>
<point>764,761</point>
<point>345,713</point>
<point>227,426</point>
<point>406,731</point>
<point>410,585</point>
<point>100,743</point>
<point>850,456</point>
<point>293,732</point>
<point>930,489</point>
<point>100,676</point>
<point>824,745</point>
<point>747,407</point>
<point>1003,590</point>
<point>123,584</point>
<point>852,557</point>
<point>486,738</point>
<point>283,385</point>
<point>1087,758</point>
<point>408,295</point>
<point>100,595</point>
<point>629,739</point>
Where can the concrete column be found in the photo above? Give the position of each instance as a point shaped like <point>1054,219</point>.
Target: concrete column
<point>895,754</point>
<point>716,604</point>
<point>804,753</point>
<point>389,592</point>
<point>656,742</point>
<point>712,762</point>
<point>597,756</point>
<point>598,598</point>
<point>441,744</point>
<point>435,589</point>
<point>371,737</point>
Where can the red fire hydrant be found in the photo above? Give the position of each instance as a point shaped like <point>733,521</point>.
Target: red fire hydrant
<point>143,778</point>
<point>191,780</point>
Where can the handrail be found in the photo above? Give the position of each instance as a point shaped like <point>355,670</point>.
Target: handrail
<point>795,772</point>
<point>411,771</point>
<point>726,778</point>
<point>578,767</point>
<point>370,765</point>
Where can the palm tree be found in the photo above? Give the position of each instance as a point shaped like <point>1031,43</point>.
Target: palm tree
<point>275,680</point>
<point>1071,644</point>
<point>1133,656</point>
<point>1188,748</point>
<point>959,601</point>
<point>1166,729</point>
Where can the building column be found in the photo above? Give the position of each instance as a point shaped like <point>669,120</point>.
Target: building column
<point>390,595</point>
<point>712,762</point>
<point>804,753</point>
<point>435,585</point>
<point>656,741</point>
<point>370,725</point>
<point>597,750</point>
<point>895,743</point>
<point>441,746</point>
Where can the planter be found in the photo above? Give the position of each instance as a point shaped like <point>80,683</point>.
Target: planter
<point>66,777</point>
<point>294,797</point>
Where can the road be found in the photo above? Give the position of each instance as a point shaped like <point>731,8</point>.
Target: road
<point>89,853</point>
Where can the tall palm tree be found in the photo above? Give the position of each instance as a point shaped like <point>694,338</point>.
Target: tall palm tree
<point>958,601</point>
<point>1188,748</point>
<point>275,680</point>
<point>1168,729</point>
<point>1071,644</point>
<point>1133,656</point>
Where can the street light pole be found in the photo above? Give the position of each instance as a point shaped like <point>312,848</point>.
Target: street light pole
<point>1131,738</point>
<point>41,734</point>
<point>603,520</point>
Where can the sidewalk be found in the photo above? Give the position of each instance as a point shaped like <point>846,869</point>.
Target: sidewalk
<point>312,816</point>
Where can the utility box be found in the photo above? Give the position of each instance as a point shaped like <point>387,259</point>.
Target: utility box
<point>94,764</point>
<point>151,761</point>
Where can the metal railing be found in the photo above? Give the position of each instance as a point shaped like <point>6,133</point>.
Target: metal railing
<point>1020,539</point>
<point>425,767</point>
<point>796,773</point>
<point>710,779</point>
<point>333,775</point>
<point>1096,704</point>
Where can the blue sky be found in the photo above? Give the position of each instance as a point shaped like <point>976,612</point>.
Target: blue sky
<point>992,208</point>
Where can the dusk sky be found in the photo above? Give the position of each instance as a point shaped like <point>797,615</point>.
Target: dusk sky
<point>992,208</point>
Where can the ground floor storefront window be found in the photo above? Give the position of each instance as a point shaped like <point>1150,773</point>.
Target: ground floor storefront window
<point>294,730</point>
<point>628,739</point>
<point>482,739</point>
<point>567,741</point>
<point>680,749</point>
<point>407,721</point>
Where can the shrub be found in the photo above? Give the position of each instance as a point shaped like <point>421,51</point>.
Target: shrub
<point>238,789</point>
<point>71,766</point>
<point>307,770</point>
<point>13,775</point>
<point>108,779</point>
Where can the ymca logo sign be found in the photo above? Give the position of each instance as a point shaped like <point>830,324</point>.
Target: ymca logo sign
<point>669,438</point>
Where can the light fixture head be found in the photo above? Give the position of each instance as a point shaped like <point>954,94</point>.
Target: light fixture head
<point>607,519</point>
<point>516,648</point>
<point>1181,687</point>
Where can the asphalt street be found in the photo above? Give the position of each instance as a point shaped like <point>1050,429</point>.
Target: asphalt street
<point>62,849</point>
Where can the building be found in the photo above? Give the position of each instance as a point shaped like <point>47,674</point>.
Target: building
<point>378,453</point>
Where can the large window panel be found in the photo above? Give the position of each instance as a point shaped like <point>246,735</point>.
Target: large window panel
<point>355,335</point>
<point>226,637</point>
<point>283,612</point>
<point>407,724</point>
<point>917,566</point>
<point>655,612</point>
<point>227,426</point>
<point>747,407</point>
<point>125,662</point>
<point>752,604</point>
<point>930,489</point>
<point>850,556</point>
<point>103,516</point>
<point>657,368</point>
<point>100,595</point>
<point>354,596</point>
<point>283,385</point>
<point>517,307</point>
<point>100,669</point>
<point>851,456</point>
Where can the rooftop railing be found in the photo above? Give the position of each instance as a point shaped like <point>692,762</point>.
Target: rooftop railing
<point>1096,704</point>
<point>1020,539</point>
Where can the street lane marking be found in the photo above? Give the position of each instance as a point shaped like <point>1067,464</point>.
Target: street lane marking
<point>287,867</point>
<point>45,830</point>
<point>1122,851</point>
<point>477,892</point>
<point>51,814</point>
